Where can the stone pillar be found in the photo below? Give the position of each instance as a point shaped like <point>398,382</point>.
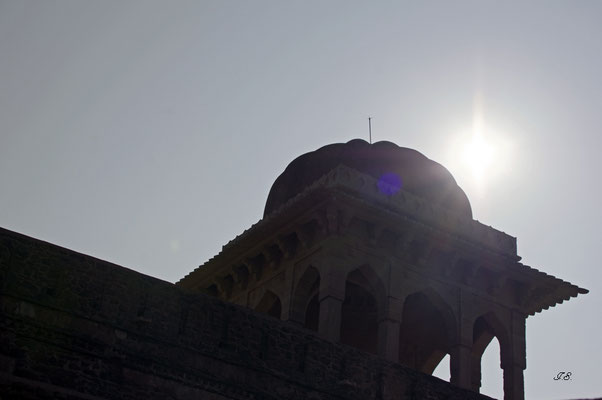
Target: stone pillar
<point>389,319</point>
<point>514,385</point>
<point>331,295</point>
<point>514,358</point>
<point>388,330</point>
<point>329,326</point>
<point>475,375</point>
<point>287,298</point>
<point>459,365</point>
<point>461,350</point>
<point>295,316</point>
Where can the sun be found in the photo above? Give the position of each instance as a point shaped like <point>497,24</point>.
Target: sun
<point>479,156</point>
<point>483,152</point>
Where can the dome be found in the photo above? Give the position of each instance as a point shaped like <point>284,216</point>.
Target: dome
<point>397,166</point>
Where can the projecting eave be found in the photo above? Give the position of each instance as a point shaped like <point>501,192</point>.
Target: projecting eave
<point>546,290</point>
<point>252,238</point>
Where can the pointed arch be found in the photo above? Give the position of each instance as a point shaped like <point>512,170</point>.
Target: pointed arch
<point>485,327</point>
<point>366,276</point>
<point>428,328</point>
<point>363,303</point>
<point>443,307</point>
<point>492,376</point>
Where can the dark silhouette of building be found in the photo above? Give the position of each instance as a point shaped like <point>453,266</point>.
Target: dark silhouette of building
<point>366,270</point>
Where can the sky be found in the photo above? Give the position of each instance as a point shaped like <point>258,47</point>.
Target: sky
<point>148,133</point>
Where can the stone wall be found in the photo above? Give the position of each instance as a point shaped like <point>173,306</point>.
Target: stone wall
<point>75,327</point>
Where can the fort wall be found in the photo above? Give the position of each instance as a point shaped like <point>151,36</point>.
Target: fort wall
<point>75,327</point>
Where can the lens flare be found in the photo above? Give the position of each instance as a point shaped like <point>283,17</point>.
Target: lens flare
<point>389,183</point>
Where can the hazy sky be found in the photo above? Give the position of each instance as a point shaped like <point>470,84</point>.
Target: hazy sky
<point>149,133</point>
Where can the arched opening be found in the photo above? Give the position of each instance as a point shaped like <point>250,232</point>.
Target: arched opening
<point>305,304</point>
<point>492,375</point>
<point>359,314</point>
<point>442,370</point>
<point>270,304</point>
<point>424,333</point>
<point>488,333</point>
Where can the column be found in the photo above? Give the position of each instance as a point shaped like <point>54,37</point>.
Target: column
<point>514,385</point>
<point>295,316</point>
<point>461,351</point>
<point>286,299</point>
<point>329,326</point>
<point>388,329</point>
<point>459,365</point>
<point>514,359</point>
<point>475,376</point>
<point>331,296</point>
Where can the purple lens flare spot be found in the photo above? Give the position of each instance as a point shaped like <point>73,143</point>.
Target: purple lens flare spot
<point>389,183</point>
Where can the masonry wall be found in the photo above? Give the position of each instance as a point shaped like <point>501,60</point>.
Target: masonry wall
<point>74,327</point>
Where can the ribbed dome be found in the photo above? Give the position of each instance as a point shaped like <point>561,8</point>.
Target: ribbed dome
<point>381,160</point>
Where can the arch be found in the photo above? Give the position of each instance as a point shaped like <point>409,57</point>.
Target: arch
<point>270,304</point>
<point>363,303</point>
<point>447,312</point>
<point>485,328</point>
<point>428,328</point>
<point>492,376</point>
<point>304,305</point>
<point>366,276</point>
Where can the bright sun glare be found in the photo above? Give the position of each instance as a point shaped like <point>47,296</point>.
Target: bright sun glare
<point>481,154</point>
<point>478,154</point>
<point>480,157</point>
